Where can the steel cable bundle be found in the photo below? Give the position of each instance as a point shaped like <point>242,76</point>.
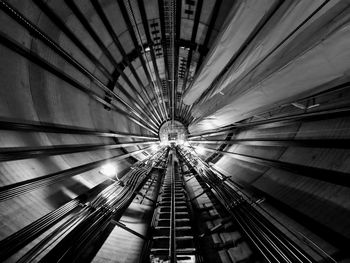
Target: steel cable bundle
<point>268,240</point>
<point>68,240</point>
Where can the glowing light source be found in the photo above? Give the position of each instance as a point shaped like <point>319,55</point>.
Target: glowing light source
<point>109,170</point>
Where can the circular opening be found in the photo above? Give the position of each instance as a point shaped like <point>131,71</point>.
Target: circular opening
<point>172,132</point>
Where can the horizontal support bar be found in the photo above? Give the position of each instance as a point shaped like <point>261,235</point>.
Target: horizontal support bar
<point>309,116</point>
<point>16,47</point>
<point>193,176</point>
<point>330,176</point>
<point>129,230</point>
<point>335,238</point>
<point>37,126</point>
<point>18,153</point>
<point>217,227</point>
<point>325,232</point>
<point>23,187</point>
<point>25,235</point>
<point>146,197</point>
<point>317,143</point>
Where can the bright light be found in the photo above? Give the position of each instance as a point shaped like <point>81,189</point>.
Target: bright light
<point>109,170</point>
<point>154,147</point>
<point>200,149</point>
<point>180,142</point>
<point>164,143</point>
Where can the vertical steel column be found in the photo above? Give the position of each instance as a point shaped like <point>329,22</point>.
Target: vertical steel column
<point>190,53</point>
<point>271,243</point>
<point>139,47</point>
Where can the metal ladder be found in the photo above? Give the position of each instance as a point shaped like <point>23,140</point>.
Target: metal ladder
<point>172,238</point>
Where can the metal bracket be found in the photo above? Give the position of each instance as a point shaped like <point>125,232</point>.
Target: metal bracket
<point>121,225</point>
<point>144,196</point>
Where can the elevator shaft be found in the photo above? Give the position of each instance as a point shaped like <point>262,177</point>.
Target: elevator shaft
<point>172,236</point>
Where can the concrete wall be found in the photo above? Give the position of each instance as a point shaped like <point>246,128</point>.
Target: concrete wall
<point>28,92</point>
<point>326,203</point>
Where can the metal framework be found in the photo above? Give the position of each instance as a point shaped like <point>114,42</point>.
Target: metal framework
<point>89,217</point>
<point>35,126</point>
<point>278,121</point>
<point>310,143</point>
<point>268,241</point>
<point>16,189</point>
<point>331,176</point>
<point>18,153</point>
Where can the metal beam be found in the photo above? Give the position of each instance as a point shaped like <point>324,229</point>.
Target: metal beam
<point>190,53</point>
<point>69,33</point>
<point>211,25</point>
<point>79,15</point>
<point>176,38</point>
<point>336,239</point>
<point>121,225</point>
<point>35,31</point>
<point>217,81</point>
<point>187,115</point>
<point>19,153</point>
<point>278,121</point>
<point>330,176</point>
<point>61,25</point>
<point>165,48</point>
<point>71,4</point>
<point>282,42</point>
<point>24,236</point>
<point>115,39</point>
<point>313,143</point>
<point>215,156</point>
<point>266,239</point>
<point>23,187</point>
<point>145,197</point>
<point>150,42</point>
<point>28,54</point>
<point>71,248</point>
<point>143,111</point>
<point>143,63</point>
<point>328,234</point>
<point>36,126</point>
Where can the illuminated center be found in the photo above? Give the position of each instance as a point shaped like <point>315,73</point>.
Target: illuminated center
<point>172,132</point>
<point>108,170</point>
